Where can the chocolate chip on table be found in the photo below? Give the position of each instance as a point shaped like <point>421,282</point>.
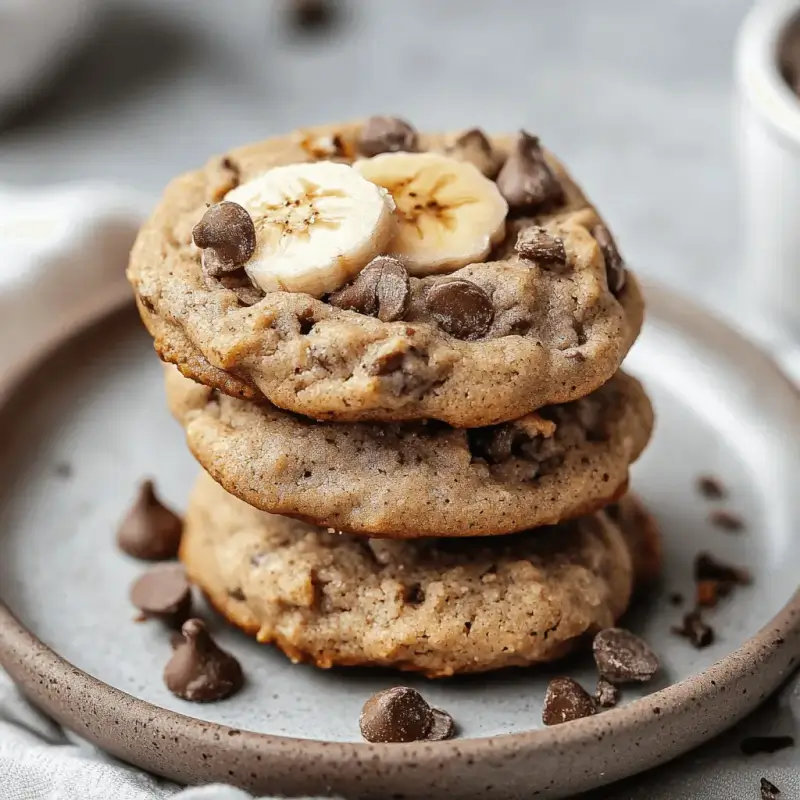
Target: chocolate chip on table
<point>753,745</point>
<point>199,670</point>
<point>606,693</point>
<point>474,147</point>
<point>711,488</point>
<point>386,135</point>
<point>537,244</point>
<point>227,236</point>
<point>380,290</point>
<point>565,700</point>
<point>726,520</point>
<point>526,180</point>
<point>623,657</point>
<point>693,628</point>
<point>461,308</point>
<point>150,530</point>
<point>769,791</point>
<point>615,266</point>
<point>164,593</point>
<point>401,714</point>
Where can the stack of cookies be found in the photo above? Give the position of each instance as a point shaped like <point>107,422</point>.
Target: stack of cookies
<point>397,360</point>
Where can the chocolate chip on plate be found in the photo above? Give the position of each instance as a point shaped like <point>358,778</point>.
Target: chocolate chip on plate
<point>615,266</point>
<point>526,180</point>
<point>474,147</point>
<point>769,791</point>
<point>537,244</point>
<point>401,714</point>
<point>565,700</point>
<point>726,520</point>
<point>623,657</point>
<point>693,628</point>
<point>164,593</point>
<point>711,487</point>
<point>380,290</point>
<point>753,745</point>
<point>227,236</point>
<point>461,308</point>
<point>199,670</point>
<point>150,530</point>
<point>386,135</point>
<point>606,694</point>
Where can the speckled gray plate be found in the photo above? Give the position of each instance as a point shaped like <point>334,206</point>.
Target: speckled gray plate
<point>81,432</point>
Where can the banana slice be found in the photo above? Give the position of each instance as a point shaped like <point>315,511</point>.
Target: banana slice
<point>317,225</point>
<point>449,214</point>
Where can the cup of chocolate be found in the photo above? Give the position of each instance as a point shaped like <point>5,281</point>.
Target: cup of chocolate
<point>768,109</point>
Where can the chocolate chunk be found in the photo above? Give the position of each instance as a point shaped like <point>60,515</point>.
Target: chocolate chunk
<point>461,308</point>
<point>402,715</point>
<point>474,147</point>
<point>526,180</point>
<point>695,630</point>
<point>381,290</point>
<point>199,670</point>
<point>606,693</point>
<point>769,791</point>
<point>622,657</point>
<point>227,236</point>
<point>386,135</point>
<point>615,266</point>
<point>537,244</point>
<point>711,488</point>
<point>565,700</point>
<point>753,745</point>
<point>150,530</point>
<point>725,520</point>
<point>708,568</point>
<point>164,593</point>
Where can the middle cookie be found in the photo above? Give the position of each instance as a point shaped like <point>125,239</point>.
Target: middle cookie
<point>409,480</point>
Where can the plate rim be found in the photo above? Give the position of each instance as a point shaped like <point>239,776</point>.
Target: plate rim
<point>115,720</point>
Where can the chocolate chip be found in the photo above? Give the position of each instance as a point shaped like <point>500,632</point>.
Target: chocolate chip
<point>227,236</point>
<point>725,520</point>
<point>606,693</point>
<point>711,488</point>
<point>694,629</point>
<point>537,244</point>
<point>615,266</point>
<point>753,745</point>
<point>461,308</point>
<point>381,290</point>
<point>164,593</point>
<point>402,715</point>
<point>239,283</point>
<point>769,791</point>
<point>565,700</point>
<point>199,670</point>
<point>386,135</point>
<point>474,147</point>
<point>526,181</point>
<point>623,657</point>
<point>708,568</point>
<point>150,530</point>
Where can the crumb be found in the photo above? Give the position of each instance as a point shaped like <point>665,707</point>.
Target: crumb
<point>695,629</point>
<point>726,520</point>
<point>769,791</point>
<point>711,487</point>
<point>676,599</point>
<point>63,469</point>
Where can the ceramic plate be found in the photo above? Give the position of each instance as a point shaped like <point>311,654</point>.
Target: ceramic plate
<point>82,430</point>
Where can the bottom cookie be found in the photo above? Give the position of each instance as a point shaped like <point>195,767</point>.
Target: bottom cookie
<point>436,606</point>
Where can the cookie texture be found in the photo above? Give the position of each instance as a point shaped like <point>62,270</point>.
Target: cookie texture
<point>556,330</point>
<point>435,606</point>
<point>415,479</point>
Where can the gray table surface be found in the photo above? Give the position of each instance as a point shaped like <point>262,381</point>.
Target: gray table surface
<point>636,96</point>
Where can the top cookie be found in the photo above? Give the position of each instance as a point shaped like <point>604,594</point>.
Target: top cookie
<point>366,272</point>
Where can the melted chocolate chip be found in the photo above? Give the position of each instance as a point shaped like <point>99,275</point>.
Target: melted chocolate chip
<point>150,530</point>
<point>474,147</point>
<point>726,520</point>
<point>606,694</point>
<point>461,308</point>
<point>711,487</point>
<point>566,700</point>
<point>615,266</point>
<point>754,745</point>
<point>694,629</point>
<point>164,593</point>
<point>199,670</point>
<point>537,244</point>
<point>769,791</point>
<point>381,290</point>
<point>386,135</point>
<point>227,236</point>
<point>623,657</point>
<point>402,715</point>
<point>526,180</point>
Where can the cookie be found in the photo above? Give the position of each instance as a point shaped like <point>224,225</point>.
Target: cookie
<point>414,479</point>
<point>501,299</point>
<point>435,606</point>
